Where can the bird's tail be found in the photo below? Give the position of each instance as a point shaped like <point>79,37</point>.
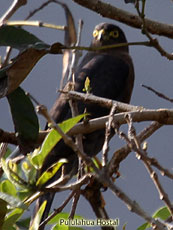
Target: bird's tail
<point>49,198</point>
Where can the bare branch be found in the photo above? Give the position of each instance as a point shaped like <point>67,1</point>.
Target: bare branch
<point>156,164</point>
<point>133,206</point>
<point>153,41</point>
<point>56,211</point>
<point>105,148</point>
<point>12,9</point>
<point>137,148</point>
<point>93,195</point>
<point>74,204</point>
<point>161,191</point>
<point>67,139</point>
<point>163,116</point>
<point>108,103</point>
<point>123,152</point>
<point>112,12</point>
<point>32,13</point>
<point>34,23</point>
<point>159,94</point>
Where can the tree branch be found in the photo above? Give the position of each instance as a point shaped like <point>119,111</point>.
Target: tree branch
<point>112,12</point>
<point>123,152</point>
<point>12,9</point>
<point>163,116</point>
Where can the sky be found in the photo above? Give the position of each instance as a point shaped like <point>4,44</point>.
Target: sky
<point>150,68</point>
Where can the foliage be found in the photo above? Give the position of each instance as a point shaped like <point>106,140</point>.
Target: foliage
<point>21,183</point>
<point>19,190</point>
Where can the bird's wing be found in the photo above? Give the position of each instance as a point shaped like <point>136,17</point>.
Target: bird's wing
<point>110,77</point>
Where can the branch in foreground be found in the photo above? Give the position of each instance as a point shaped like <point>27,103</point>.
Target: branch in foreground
<point>112,12</point>
<point>67,139</point>
<point>133,206</point>
<point>58,210</point>
<point>93,195</point>
<point>163,195</point>
<point>107,103</point>
<point>163,116</point>
<point>156,164</point>
<point>139,151</point>
<point>123,152</point>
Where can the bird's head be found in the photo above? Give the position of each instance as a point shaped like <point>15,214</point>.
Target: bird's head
<point>108,34</point>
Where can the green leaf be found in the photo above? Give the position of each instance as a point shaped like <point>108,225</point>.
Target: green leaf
<point>10,169</point>
<point>87,87</point>
<point>76,228</point>
<point>62,215</point>
<point>23,223</point>
<point>163,213</point>
<point>37,219</point>
<point>50,172</point>
<point>29,171</point>
<point>12,218</point>
<point>56,219</point>
<point>12,201</point>
<point>65,227</point>
<point>24,118</point>
<point>52,139</point>
<point>7,187</point>
<point>124,226</point>
<point>17,37</point>
<point>143,226</point>
<point>24,194</point>
<point>8,152</point>
<point>3,211</point>
<point>6,169</point>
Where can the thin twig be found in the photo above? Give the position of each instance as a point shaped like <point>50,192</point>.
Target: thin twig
<point>156,164</point>
<point>3,150</point>
<point>12,9</point>
<point>109,11</point>
<point>123,152</point>
<point>159,94</point>
<point>144,43</point>
<point>67,139</point>
<point>74,204</point>
<point>163,116</point>
<point>105,148</point>
<point>6,57</point>
<point>56,211</point>
<point>136,146</point>
<point>153,41</point>
<point>160,189</point>
<point>132,205</point>
<point>105,102</point>
<point>32,13</point>
<point>34,23</point>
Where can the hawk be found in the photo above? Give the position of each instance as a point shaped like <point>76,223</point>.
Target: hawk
<point>111,75</point>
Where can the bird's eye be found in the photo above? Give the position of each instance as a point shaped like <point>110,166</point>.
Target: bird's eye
<point>114,34</point>
<point>95,33</point>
